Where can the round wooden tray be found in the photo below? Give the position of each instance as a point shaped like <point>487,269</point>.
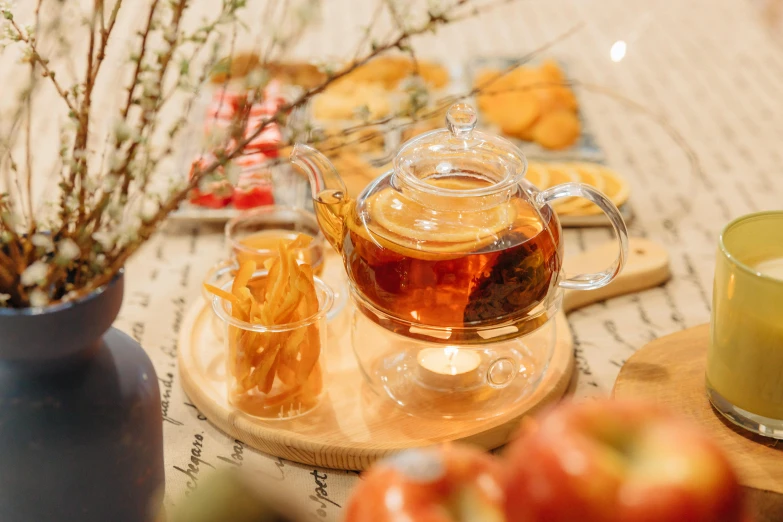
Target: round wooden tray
<point>670,371</point>
<point>354,426</point>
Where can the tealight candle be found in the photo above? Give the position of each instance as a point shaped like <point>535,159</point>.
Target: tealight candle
<point>448,367</point>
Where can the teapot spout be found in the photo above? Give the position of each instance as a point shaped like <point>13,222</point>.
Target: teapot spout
<point>330,197</point>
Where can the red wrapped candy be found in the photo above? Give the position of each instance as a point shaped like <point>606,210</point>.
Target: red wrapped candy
<point>268,141</point>
<point>254,187</point>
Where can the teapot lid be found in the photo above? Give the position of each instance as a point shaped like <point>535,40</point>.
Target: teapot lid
<point>460,149</point>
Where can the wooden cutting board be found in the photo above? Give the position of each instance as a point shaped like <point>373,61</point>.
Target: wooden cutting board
<point>354,426</point>
<point>670,371</point>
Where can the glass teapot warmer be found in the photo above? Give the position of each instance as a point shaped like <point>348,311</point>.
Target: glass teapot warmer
<point>428,374</point>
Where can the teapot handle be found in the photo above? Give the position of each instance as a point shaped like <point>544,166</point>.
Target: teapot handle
<point>596,279</point>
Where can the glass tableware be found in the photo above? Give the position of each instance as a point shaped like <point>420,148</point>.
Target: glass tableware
<point>453,236</point>
<point>275,372</point>
<point>255,234</point>
<point>452,240</point>
<point>426,376</point>
<point>745,356</point>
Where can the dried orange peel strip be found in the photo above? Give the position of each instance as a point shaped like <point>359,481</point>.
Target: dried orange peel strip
<point>231,298</point>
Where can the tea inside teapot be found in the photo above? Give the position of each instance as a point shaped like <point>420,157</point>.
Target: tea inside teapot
<point>453,236</point>
<point>473,266</point>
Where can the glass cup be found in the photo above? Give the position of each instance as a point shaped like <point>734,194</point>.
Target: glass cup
<point>275,372</point>
<point>745,356</point>
<point>255,235</point>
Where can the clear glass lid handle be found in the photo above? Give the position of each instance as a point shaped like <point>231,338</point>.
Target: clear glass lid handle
<point>597,279</point>
<point>461,119</point>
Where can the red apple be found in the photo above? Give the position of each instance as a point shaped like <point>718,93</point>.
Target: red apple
<point>615,461</point>
<point>450,483</point>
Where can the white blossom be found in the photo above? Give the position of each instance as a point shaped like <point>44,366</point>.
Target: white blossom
<point>114,210</point>
<point>68,250</point>
<point>217,137</point>
<point>35,273</point>
<point>122,131</point>
<point>105,239</point>
<point>90,184</point>
<point>328,67</point>
<point>205,184</point>
<point>38,298</point>
<point>150,87</point>
<point>232,173</point>
<point>256,78</point>
<point>110,180</point>
<point>43,241</point>
<point>11,219</point>
<point>170,34</point>
<point>115,162</point>
<point>148,209</point>
<point>129,232</point>
<point>6,9</point>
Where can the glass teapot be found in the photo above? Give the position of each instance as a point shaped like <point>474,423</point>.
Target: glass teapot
<point>453,238</point>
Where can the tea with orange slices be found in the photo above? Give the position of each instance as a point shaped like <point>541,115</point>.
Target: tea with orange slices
<point>492,264</point>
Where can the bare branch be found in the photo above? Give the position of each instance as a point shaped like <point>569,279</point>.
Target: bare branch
<point>36,57</point>
<point>139,59</point>
<point>368,30</point>
<point>401,26</point>
<point>82,135</point>
<point>135,151</point>
<point>29,148</point>
<point>105,33</point>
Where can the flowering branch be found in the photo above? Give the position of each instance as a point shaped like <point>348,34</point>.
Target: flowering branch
<point>35,57</point>
<point>97,227</point>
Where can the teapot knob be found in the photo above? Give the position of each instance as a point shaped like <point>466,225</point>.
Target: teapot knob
<point>461,119</point>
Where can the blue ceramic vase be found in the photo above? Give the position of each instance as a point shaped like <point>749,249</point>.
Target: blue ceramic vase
<point>81,434</point>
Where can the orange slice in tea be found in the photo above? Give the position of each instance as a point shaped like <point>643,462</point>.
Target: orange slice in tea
<point>410,225</point>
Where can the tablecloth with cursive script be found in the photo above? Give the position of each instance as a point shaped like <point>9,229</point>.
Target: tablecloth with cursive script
<point>708,68</point>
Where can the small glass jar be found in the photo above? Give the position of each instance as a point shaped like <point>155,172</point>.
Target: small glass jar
<point>268,225</point>
<point>255,235</point>
<point>278,371</point>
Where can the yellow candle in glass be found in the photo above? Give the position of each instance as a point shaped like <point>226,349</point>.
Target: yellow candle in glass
<point>745,357</point>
